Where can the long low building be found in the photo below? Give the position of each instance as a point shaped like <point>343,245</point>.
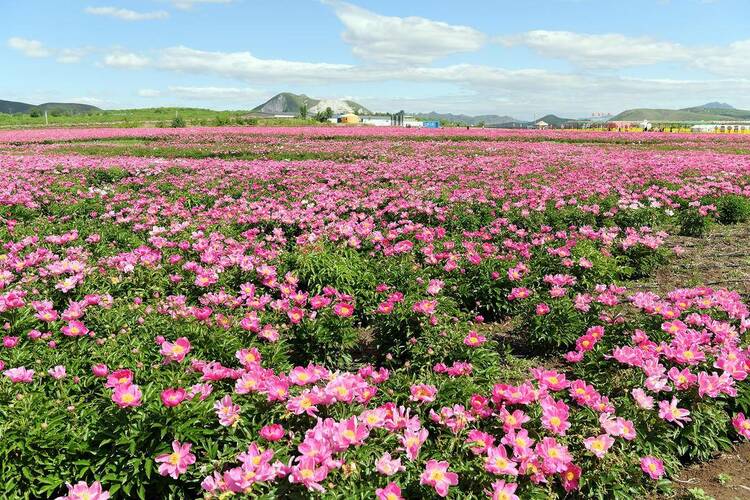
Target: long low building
<point>720,127</point>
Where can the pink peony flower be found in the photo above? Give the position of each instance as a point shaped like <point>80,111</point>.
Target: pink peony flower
<point>272,432</point>
<point>652,466</point>
<point>742,425</point>
<point>82,491</point>
<point>669,411</point>
<point>127,396</point>
<point>388,466</point>
<point>390,492</point>
<point>74,329</point>
<point>176,463</point>
<point>436,475</point>
<point>19,375</point>
<point>504,491</point>
<point>100,370</point>
<point>599,445</point>
<point>173,397</point>
<point>175,351</point>
<point>58,372</point>
<point>423,393</point>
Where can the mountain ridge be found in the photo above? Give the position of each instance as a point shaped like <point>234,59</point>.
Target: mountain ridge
<point>712,111</point>
<point>13,107</point>
<point>289,103</point>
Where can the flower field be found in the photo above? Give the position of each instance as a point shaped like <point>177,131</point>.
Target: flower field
<point>359,313</point>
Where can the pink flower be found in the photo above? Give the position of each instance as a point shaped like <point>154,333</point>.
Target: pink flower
<point>479,441</point>
<point>175,351</point>
<point>19,375</point>
<point>119,377</point>
<point>653,467</point>
<point>176,463</point>
<point>423,392</point>
<point>173,397</point>
<point>555,416</point>
<point>504,491</point>
<point>388,466</point>
<point>497,462</point>
<point>343,310</point>
<point>671,413</point>
<point>308,473</point>
<point>272,432</point>
<point>473,339</point>
<point>390,492</point>
<point>82,491</point>
<point>642,399</point>
<point>74,329</point>
<point>436,475</point>
<point>227,411</point>
<point>570,477</point>
<point>542,309</point>
<point>555,457</point>
<point>598,445</point>
<point>100,370</point>
<point>58,372</point>
<point>412,441</point>
<point>127,396</point>
<point>426,307</point>
<point>10,342</point>
<point>742,425</point>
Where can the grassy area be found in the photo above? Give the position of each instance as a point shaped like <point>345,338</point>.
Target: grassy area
<point>137,149</point>
<point>147,116</point>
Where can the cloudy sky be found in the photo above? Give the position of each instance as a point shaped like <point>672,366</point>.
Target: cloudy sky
<point>522,58</point>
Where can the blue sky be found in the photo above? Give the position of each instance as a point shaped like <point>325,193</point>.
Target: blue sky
<point>522,58</point>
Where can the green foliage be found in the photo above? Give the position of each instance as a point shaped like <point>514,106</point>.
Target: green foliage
<point>692,223</point>
<point>732,209</point>
<point>178,122</point>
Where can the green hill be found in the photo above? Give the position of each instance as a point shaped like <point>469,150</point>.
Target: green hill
<point>708,112</point>
<point>70,108</point>
<point>465,119</point>
<point>554,120</point>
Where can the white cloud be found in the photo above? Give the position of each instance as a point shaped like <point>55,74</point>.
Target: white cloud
<point>732,60</point>
<point>69,56</point>
<point>36,49</point>
<point>29,48</point>
<point>149,93</point>
<point>610,50</point>
<point>189,4</point>
<point>402,40</point>
<point>126,14</point>
<point>242,66</point>
<point>217,93</point>
<point>126,60</point>
<point>235,94</point>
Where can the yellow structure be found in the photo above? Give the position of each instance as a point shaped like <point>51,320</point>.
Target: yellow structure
<point>349,118</point>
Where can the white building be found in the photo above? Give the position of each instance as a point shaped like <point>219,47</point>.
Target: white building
<point>720,127</point>
<point>376,121</point>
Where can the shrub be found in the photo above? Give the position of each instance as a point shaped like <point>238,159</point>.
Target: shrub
<point>692,223</point>
<point>733,209</point>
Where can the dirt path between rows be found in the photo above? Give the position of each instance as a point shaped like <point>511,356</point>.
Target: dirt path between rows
<point>721,259</point>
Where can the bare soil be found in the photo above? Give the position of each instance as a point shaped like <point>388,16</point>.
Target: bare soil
<point>720,259</point>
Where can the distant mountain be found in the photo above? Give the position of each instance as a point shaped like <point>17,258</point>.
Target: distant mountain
<point>713,111</point>
<point>465,119</point>
<point>554,121</point>
<point>288,103</point>
<point>11,107</point>
<point>717,105</point>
